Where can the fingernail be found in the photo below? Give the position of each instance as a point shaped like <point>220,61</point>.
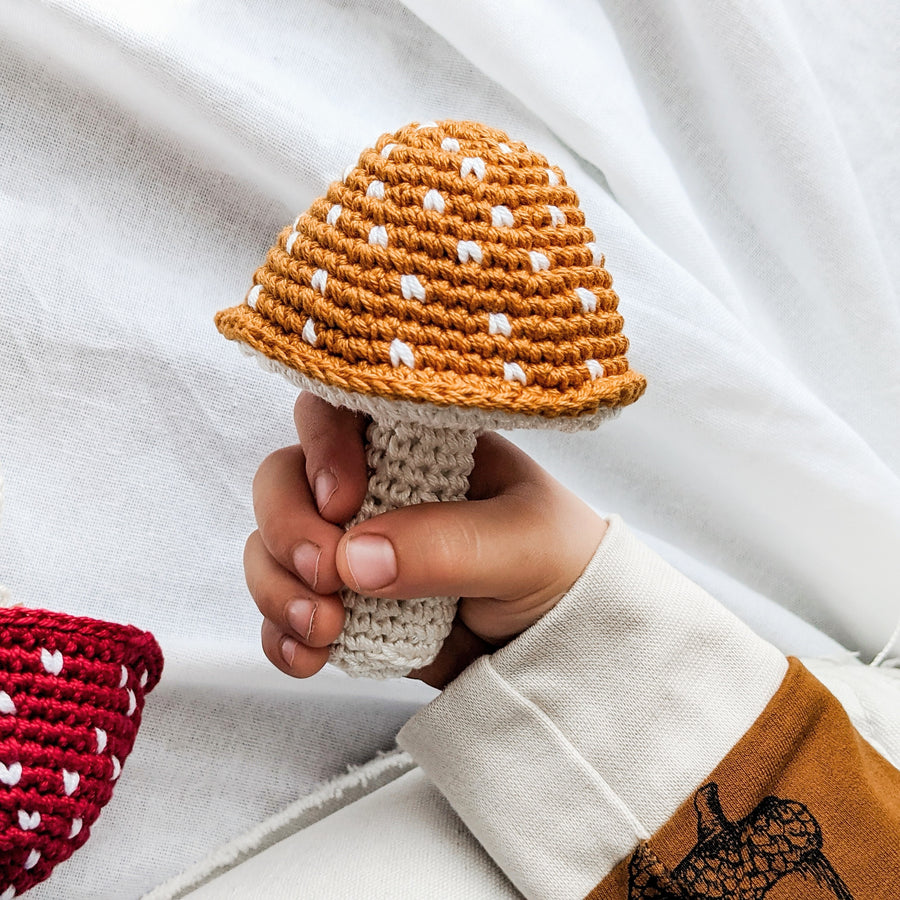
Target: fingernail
<point>288,649</point>
<point>325,485</point>
<point>372,561</point>
<point>301,615</point>
<point>306,558</point>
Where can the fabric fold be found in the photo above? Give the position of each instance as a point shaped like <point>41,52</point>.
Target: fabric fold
<point>558,753</point>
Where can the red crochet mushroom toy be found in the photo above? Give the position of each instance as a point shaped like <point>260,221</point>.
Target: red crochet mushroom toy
<point>71,695</point>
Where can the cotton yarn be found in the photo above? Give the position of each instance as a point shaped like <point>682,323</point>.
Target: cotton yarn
<point>409,465</point>
<point>446,285</point>
<point>71,695</point>
<point>450,266</point>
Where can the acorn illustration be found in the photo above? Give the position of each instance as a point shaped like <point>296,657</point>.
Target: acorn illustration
<point>71,696</point>
<point>740,860</point>
<point>447,286</point>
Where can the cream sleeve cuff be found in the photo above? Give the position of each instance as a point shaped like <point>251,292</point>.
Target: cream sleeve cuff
<point>583,735</point>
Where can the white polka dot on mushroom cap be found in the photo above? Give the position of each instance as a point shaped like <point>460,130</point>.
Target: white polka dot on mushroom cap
<point>499,324</point>
<point>401,354</point>
<point>595,369</point>
<point>411,287</point>
<point>539,261</point>
<point>378,236</point>
<point>588,299</point>
<point>557,216</point>
<point>473,165</point>
<point>433,201</point>
<point>501,217</point>
<point>450,145</point>
<point>595,253</point>
<point>253,295</point>
<point>468,250</point>
<point>375,190</point>
<point>319,280</point>
<point>309,332</point>
<point>334,214</point>
<point>514,372</point>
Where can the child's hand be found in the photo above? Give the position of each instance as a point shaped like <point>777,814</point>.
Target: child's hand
<point>510,553</point>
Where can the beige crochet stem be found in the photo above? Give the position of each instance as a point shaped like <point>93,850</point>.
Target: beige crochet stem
<point>409,463</point>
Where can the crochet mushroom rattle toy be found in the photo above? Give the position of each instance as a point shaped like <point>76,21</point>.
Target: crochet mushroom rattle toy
<point>445,287</point>
<point>71,696</point>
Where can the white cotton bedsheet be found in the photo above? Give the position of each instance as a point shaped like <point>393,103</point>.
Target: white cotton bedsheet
<point>737,164</point>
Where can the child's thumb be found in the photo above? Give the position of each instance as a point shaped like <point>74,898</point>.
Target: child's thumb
<point>485,548</point>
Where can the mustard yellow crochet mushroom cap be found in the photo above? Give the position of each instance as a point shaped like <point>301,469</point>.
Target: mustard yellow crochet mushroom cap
<point>449,271</point>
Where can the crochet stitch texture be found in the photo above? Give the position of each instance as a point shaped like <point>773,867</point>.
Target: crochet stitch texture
<point>446,285</point>
<point>71,696</point>
<point>453,266</point>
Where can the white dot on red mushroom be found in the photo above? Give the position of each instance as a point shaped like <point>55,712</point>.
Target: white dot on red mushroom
<point>70,782</point>
<point>588,299</point>
<point>75,830</point>
<point>52,662</point>
<point>33,859</point>
<point>29,821</point>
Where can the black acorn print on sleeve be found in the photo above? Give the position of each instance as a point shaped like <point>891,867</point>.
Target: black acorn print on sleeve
<point>739,860</point>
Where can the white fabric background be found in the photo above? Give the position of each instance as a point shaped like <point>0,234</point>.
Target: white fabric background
<point>737,162</point>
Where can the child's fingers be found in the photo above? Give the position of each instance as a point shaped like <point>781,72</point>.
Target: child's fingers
<point>503,548</point>
<point>461,648</point>
<point>315,619</point>
<point>287,654</point>
<point>332,439</point>
<point>499,465</point>
<point>513,553</point>
<point>289,523</point>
